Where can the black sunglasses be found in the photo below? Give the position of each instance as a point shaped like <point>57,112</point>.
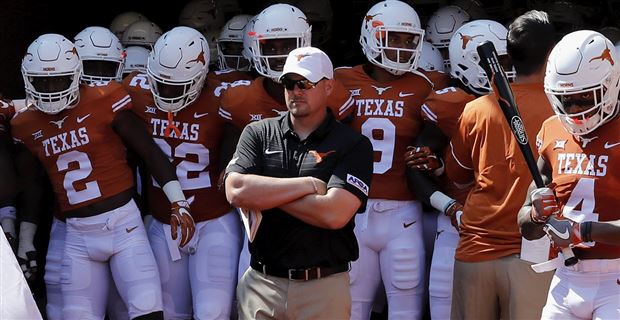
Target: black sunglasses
<point>302,84</point>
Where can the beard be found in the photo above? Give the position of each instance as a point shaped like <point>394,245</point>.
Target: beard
<point>299,109</point>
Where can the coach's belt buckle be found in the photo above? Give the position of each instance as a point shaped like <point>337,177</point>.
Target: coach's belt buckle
<point>306,273</point>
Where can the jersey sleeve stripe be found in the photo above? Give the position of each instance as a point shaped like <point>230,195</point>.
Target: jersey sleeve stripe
<point>120,103</point>
<point>429,114</point>
<point>457,159</point>
<point>224,114</point>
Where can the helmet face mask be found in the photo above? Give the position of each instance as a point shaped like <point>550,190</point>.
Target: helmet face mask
<point>51,70</point>
<point>383,28</point>
<point>177,68</point>
<point>582,81</point>
<point>102,55</point>
<point>230,44</point>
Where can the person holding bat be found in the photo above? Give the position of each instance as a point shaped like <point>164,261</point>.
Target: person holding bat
<point>579,149</point>
<point>490,279</point>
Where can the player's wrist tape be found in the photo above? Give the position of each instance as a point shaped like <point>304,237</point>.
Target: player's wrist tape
<point>535,221</point>
<point>440,201</point>
<point>585,230</point>
<point>26,236</point>
<point>8,212</point>
<point>173,191</point>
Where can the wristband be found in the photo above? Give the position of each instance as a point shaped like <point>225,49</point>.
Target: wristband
<point>440,201</point>
<point>173,191</point>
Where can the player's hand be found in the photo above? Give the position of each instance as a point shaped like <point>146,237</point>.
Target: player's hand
<point>544,205</point>
<point>181,218</point>
<point>422,158</point>
<point>563,232</point>
<point>455,211</point>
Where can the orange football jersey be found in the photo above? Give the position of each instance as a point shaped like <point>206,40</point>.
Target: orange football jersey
<point>230,75</point>
<point>389,115</point>
<point>7,111</point>
<point>246,101</point>
<point>195,152</point>
<point>484,152</point>
<point>443,108</point>
<point>582,170</point>
<point>82,154</point>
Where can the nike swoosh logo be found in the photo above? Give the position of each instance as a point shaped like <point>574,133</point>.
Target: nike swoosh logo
<point>199,115</point>
<point>267,151</point>
<point>405,94</point>
<point>563,235</point>
<point>407,225</point>
<point>80,119</point>
<point>131,229</point>
<point>611,145</point>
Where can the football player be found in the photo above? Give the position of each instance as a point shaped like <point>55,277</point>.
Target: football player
<point>8,192</point>
<point>123,20</point>
<point>491,280</point>
<point>135,60</point>
<point>441,111</point>
<point>102,55</point>
<point>388,94</point>
<point>141,33</point>
<point>183,119</point>
<point>578,150</point>
<point>79,134</point>
<point>441,26</point>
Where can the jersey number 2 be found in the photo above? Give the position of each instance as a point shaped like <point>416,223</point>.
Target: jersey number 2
<point>91,190</point>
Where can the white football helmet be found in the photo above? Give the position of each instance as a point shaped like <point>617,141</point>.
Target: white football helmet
<point>583,62</point>
<point>383,18</point>
<point>102,55</point>
<point>278,21</point>
<point>464,57</point>
<point>123,20</point>
<point>441,27</point>
<point>52,56</point>
<point>179,60</point>
<point>136,59</point>
<point>248,37</point>
<point>473,7</point>
<point>202,16</point>
<point>232,34</point>
<point>431,59</point>
<point>141,33</point>
<point>320,16</point>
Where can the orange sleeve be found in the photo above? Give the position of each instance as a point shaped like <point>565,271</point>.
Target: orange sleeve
<point>340,101</point>
<point>459,164</point>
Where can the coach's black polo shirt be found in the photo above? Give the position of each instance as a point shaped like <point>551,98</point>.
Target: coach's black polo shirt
<point>333,153</point>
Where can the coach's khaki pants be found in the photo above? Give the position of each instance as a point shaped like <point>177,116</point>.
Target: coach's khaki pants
<point>267,297</point>
<point>505,288</point>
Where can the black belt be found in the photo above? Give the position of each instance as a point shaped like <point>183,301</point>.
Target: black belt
<point>299,274</point>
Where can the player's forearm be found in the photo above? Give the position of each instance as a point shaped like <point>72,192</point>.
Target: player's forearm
<point>421,184</point>
<point>259,192</point>
<point>330,211</point>
<point>607,232</point>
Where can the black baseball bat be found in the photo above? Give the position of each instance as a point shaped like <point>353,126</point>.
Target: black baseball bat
<point>489,61</point>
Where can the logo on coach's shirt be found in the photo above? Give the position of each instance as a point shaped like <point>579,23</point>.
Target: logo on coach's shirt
<point>358,183</point>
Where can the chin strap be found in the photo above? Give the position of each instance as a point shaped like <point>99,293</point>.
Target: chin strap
<point>171,126</point>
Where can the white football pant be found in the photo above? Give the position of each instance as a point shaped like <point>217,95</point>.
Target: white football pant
<point>112,243</point>
<point>200,285</point>
<point>442,269</point>
<point>588,290</point>
<point>391,247</point>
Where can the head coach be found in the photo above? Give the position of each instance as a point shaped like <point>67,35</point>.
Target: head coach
<point>306,175</point>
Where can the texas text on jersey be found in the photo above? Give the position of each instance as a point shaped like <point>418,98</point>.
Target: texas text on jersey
<point>582,170</point>
<point>194,149</point>
<point>84,157</point>
<point>389,115</point>
<point>246,101</point>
